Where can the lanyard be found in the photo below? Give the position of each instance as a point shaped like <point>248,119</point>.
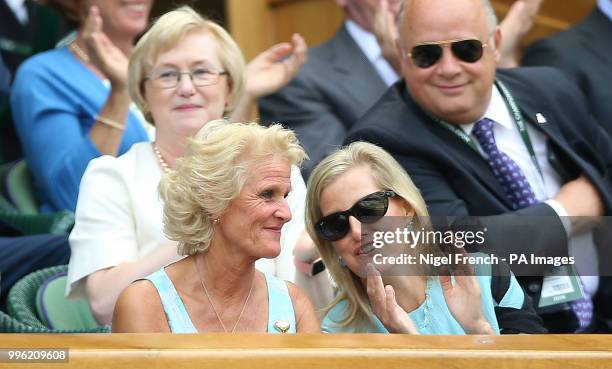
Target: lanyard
<point>518,120</point>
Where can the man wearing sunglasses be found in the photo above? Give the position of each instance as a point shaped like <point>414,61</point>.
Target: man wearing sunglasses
<point>495,143</point>
<point>346,75</point>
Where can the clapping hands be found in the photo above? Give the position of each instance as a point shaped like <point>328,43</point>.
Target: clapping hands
<point>514,27</point>
<point>103,54</point>
<point>385,306</point>
<point>463,298</point>
<point>386,34</point>
<point>274,68</point>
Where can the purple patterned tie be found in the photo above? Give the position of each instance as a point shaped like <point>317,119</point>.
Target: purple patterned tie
<point>508,173</point>
<point>519,192</point>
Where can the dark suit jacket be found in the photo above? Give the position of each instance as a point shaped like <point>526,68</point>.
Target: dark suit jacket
<point>584,53</point>
<point>455,180</point>
<point>335,87</point>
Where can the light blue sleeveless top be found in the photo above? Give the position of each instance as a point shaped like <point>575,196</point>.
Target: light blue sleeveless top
<point>280,307</point>
<point>433,316</point>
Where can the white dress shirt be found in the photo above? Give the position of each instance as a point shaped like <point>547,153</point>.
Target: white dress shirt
<point>18,7</point>
<point>119,217</point>
<point>369,46</point>
<point>545,186</point>
<point>606,7</point>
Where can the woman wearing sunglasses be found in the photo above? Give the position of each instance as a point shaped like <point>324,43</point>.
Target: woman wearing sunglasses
<point>360,184</point>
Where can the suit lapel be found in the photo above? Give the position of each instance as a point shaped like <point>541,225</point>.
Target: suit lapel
<point>356,75</point>
<point>463,154</point>
<point>544,120</point>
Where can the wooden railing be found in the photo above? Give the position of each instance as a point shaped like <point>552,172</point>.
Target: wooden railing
<point>318,351</point>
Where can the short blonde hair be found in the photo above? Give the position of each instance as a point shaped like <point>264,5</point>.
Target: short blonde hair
<point>213,172</point>
<point>165,34</point>
<point>388,175</point>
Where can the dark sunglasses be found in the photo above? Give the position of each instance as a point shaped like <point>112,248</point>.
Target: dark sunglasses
<point>368,209</point>
<point>427,54</point>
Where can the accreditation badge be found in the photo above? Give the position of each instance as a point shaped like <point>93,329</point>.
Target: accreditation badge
<point>559,286</point>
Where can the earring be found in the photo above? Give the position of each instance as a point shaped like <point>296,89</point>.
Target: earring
<point>217,221</point>
<point>410,226</point>
<point>342,262</point>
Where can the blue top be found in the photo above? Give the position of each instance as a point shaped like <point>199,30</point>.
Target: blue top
<point>280,307</point>
<point>433,316</point>
<point>54,100</point>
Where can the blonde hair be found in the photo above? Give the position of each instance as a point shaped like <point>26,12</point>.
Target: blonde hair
<point>165,34</point>
<point>213,172</point>
<point>388,175</point>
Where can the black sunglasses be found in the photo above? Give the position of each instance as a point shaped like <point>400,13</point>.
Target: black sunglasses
<point>427,54</point>
<point>368,209</point>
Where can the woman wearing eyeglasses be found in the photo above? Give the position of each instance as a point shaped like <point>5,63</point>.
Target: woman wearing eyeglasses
<point>360,184</point>
<point>184,72</point>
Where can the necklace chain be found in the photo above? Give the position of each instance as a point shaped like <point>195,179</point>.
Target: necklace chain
<point>160,159</point>
<point>246,301</point>
<point>427,307</point>
<point>75,48</point>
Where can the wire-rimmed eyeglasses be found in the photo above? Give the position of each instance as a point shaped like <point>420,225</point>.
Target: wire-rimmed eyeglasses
<point>200,77</point>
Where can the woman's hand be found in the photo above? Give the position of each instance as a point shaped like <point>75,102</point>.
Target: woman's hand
<point>103,54</point>
<point>385,31</point>
<point>275,67</point>
<point>464,299</point>
<point>384,305</point>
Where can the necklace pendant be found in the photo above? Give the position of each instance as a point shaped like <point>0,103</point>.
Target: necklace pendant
<point>282,326</point>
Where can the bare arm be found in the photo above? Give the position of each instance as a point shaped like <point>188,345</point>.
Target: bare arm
<point>111,61</point>
<point>103,287</point>
<point>139,310</point>
<point>305,317</point>
<point>318,287</point>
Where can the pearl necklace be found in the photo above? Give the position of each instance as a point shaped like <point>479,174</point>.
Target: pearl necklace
<point>246,301</point>
<point>76,49</point>
<point>160,159</point>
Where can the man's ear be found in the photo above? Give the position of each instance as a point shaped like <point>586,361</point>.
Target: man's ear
<point>498,40</point>
<point>400,51</point>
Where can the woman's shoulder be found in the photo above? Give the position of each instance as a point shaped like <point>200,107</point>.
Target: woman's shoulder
<point>139,309</point>
<point>45,63</point>
<point>138,154</point>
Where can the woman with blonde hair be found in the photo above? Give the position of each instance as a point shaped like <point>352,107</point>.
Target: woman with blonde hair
<point>184,72</point>
<point>225,205</point>
<point>362,183</point>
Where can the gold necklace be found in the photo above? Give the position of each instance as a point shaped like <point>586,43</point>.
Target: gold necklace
<point>246,301</point>
<point>76,49</point>
<point>160,159</point>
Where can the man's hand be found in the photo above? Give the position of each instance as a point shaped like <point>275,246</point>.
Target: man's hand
<point>514,27</point>
<point>386,34</point>
<point>582,202</point>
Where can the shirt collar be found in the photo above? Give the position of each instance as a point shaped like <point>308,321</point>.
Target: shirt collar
<point>497,111</point>
<point>606,7</point>
<point>365,40</point>
<point>19,9</point>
